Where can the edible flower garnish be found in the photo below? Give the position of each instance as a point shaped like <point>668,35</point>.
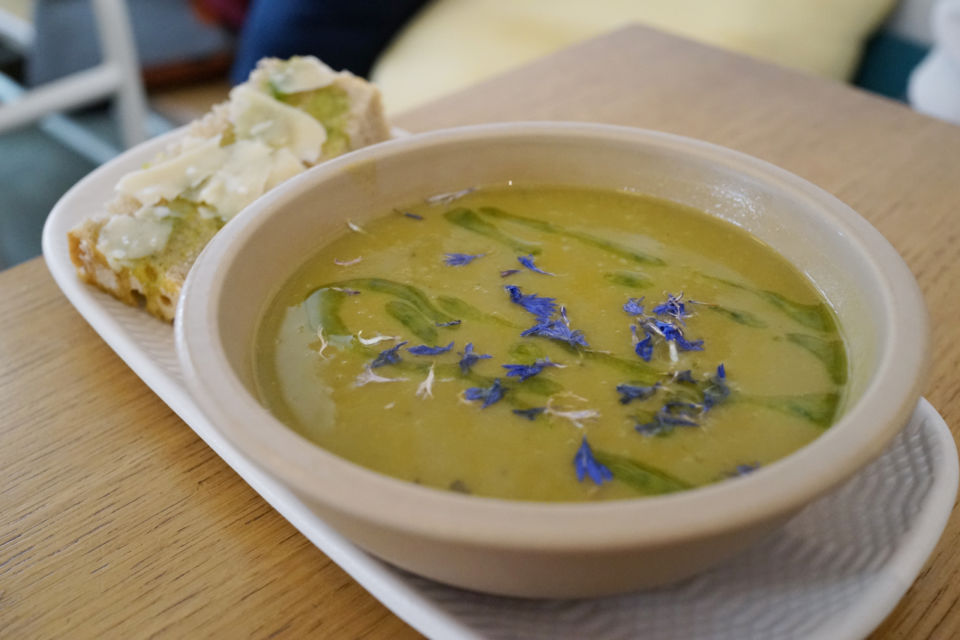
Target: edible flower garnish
<point>524,371</point>
<point>744,469</point>
<point>424,350</point>
<point>460,259</point>
<point>652,428</point>
<point>508,272</point>
<point>347,263</point>
<point>575,416</point>
<point>670,415</point>
<point>323,343</point>
<point>679,414</point>
<point>717,389</point>
<point>685,414</point>
<point>527,261</point>
<point>673,333</point>
<point>558,330</point>
<point>447,198</point>
<point>630,392</point>
<point>674,307</point>
<point>643,348</point>
<point>531,413</point>
<point>470,358</point>
<point>633,306</point>
<point>388,356</point>
<point>413,215</point>
<point>452,323</point>
<point>355,227</point>
<point>586,465</point>
<point>489,396</point>
<point>369,376</point>
<point>425,390</point>
<point>670,330</point>
<point>375,339</point>
<point>539,306</point>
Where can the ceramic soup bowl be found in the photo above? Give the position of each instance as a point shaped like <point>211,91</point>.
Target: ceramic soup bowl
<point>555,549</point>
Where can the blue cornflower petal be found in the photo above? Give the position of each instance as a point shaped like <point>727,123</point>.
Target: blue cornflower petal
<point>633,306</point>
<point>585,464</point>
<point>489,396</point>
<point>679,414</point>
<point>413,215</point>
<point>684,376</point>
<point>527,261</point>
<point>673,333</point>
<point>744,469</point>
<point>643,348</point>
<point>452,323</point>
<point>470,358</point>
<point>679,420</point>
<point>539,306</point>
<point>460,259</point>
<point>475,393</point>
<point>531,413</point>
<point>424,350</point>
<point>630,392</point>
<point>557,330</point>
<point>670,416</point>
<point>674,306</point>
<point>668,329</point>
<point>524,371</point>
<point>388,356</point>
<point>717,390</point>
<point>496,392</point>
<point>696,345</point>
<point>654,428</point>
<point>543,309</point>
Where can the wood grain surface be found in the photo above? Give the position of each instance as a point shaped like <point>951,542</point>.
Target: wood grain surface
<point>117,521</point>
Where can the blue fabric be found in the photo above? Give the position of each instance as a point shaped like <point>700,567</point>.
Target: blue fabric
<point>887,63</point>
<point>345,34</point>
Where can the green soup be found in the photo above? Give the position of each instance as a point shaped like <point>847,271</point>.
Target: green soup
<point>544,343</point>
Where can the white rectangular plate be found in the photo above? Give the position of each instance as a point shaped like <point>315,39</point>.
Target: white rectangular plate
<point>836,570</point>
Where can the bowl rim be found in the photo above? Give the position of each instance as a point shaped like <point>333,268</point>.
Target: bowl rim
<point>773,491</point>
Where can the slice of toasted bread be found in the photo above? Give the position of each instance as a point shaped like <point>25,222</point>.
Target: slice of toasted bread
<point>141,247</point>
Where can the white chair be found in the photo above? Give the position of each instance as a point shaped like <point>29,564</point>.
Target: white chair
<point>117,77</point>
<point>934,87</point>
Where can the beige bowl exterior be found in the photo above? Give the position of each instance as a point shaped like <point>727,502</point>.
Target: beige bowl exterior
<point>536,549</point>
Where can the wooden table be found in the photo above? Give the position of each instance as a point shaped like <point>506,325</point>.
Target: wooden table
<point>117,521</point>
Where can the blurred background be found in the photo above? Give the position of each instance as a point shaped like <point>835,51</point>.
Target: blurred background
<point>82,79</point>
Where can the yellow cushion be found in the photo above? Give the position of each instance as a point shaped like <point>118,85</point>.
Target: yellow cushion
<point>454,43</point>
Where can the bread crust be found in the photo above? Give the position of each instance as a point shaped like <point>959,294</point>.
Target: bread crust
<point>94,269</point>
<point>158,288</point>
